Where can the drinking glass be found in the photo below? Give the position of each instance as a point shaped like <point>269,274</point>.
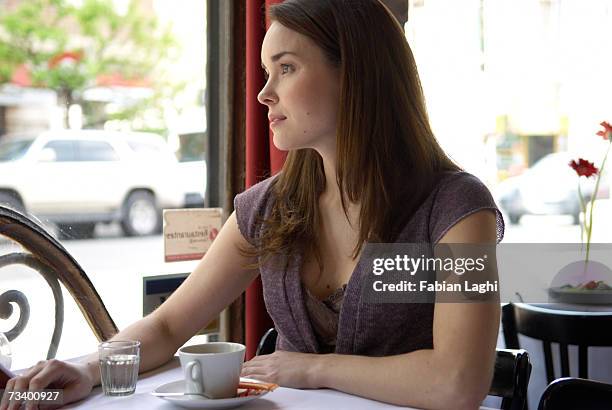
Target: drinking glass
<point>119,362</point>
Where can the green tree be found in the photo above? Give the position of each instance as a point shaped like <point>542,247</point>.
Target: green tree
<point>66,47</point>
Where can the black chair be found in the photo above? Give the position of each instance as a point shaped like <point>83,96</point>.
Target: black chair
<point>572,393</point>
<point>510,378</point>
<point>24,242</point>
<point>267,344</point>
<point>565,327</point>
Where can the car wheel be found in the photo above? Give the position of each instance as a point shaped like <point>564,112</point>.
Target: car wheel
<point>12,201</point>
<point>515,218</point>
<point>79,230</point>
<point>140,215</point>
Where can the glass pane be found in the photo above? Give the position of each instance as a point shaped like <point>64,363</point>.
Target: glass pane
<point>13,150</point>
<point>102,127</point>
<point>515,90</point>
<point>95,151</point>
<point>62,150</point>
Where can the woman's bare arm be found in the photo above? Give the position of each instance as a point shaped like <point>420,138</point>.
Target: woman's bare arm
<point>218,280</point>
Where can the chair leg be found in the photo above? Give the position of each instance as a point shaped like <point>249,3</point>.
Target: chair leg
<point>509,327</point>
<point>583,362</point>
<point>550,371</point>
<point>564,360</point>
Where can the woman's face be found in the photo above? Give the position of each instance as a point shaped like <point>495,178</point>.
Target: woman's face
<point>301,92</point>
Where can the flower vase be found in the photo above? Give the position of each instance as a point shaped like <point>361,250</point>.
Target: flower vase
<point>582,283</point>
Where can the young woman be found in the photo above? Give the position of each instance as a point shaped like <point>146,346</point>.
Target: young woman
<point>343,96</point>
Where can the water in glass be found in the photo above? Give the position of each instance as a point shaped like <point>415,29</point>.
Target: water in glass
<point>119,373</point>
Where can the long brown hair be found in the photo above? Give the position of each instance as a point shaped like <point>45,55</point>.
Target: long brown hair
<point>388,159</point>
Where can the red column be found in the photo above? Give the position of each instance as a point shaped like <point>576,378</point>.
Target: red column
<point>262,158</point>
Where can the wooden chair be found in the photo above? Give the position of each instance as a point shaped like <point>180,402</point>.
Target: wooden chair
<point>564,327</point>
<point>40,251</point>
<point>572,393</point>
<point>510,377</point>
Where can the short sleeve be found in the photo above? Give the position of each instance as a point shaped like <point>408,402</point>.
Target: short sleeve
<point>460,195</point>
<point>252,205</point>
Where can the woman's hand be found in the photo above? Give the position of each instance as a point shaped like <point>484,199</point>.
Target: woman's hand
<point>287,369</point>
<point>73,378</point>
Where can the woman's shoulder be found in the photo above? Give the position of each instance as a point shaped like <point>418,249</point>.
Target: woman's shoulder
<point>458,195</point>
<point>253,204</point>
<point>453,183</point>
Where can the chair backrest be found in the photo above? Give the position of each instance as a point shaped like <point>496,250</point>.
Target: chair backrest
<point>572,393</point>
<point>50,259</point>
<point>267,344</point>
<point>510,377</point>
<point>583,329</point>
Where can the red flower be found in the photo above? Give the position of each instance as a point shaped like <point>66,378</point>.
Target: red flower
<point>584,167</point>
<point>606,133</point>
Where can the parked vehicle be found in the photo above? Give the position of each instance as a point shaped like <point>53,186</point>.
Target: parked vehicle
<point>549,187</point>
<point>76,179</point>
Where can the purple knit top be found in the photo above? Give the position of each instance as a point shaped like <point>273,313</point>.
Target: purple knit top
<point>369,329</point>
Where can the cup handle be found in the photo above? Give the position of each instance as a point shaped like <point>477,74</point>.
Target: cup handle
<point>193,376</point>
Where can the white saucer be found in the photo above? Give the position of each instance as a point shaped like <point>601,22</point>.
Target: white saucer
<point>200,402</point>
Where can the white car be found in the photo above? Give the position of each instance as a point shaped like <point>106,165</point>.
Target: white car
<point>76,179</point>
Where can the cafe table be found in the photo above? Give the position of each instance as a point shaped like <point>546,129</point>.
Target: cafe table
<point>281,398</point>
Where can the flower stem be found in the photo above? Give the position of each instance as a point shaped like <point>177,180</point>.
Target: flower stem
<point>584,228</point>
<point>590,230</point>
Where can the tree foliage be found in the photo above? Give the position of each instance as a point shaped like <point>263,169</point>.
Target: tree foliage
<point>66,47</point>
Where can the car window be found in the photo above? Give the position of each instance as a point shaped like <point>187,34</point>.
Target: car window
<point>64,150</point>
<point>12,150</point>
<point>95,151</point>
<point>147,150</point>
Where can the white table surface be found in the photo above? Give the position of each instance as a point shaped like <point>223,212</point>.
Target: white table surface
<point>281,398</point>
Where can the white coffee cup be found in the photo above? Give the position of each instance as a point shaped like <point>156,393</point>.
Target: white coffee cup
<point>212,368</point>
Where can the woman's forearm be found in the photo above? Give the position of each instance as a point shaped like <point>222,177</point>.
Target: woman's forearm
<point>417,379</point>
<point>156,346</point>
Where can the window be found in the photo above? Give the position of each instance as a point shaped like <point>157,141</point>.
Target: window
<point>12,150</point>
<point>510,83</point>
<point>64,150</point>
<point>95,151</point>
<point>150,151</point>
<point>148,77</point>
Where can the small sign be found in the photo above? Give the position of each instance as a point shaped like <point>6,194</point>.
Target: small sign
<point>156,289</point>
<point>188,233</point>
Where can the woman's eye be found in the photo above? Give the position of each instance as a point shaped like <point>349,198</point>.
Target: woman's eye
<point>285,69</point>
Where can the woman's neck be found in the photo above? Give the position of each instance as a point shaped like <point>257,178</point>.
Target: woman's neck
<point>330,198</point>
<point>332,191</point>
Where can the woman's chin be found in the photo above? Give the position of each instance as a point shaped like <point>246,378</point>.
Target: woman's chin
<point>282,143</point>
